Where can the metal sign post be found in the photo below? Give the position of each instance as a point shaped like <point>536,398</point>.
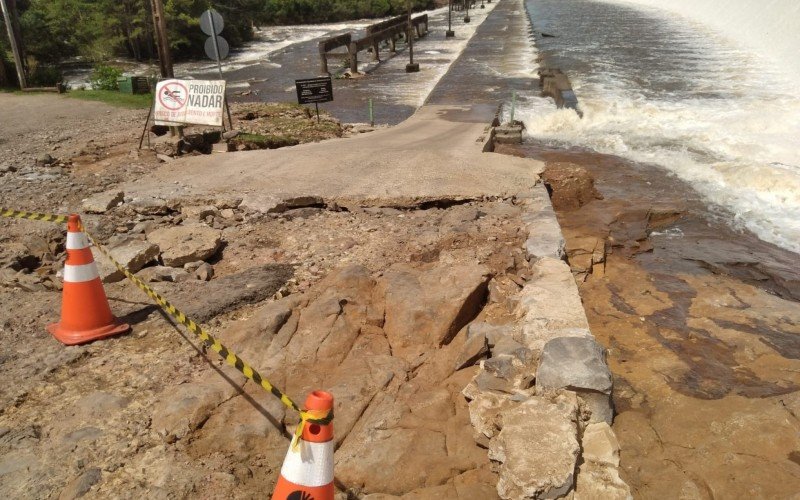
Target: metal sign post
<point>449,33</point>
<point>217,47</point>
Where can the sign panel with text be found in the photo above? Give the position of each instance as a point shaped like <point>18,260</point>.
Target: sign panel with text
<point>314,90</point>
<point>189,102</point>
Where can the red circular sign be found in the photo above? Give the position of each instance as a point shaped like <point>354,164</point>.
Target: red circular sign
<point>173,96</point>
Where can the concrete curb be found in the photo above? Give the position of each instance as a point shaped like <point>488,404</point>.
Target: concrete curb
<point>540,433</point>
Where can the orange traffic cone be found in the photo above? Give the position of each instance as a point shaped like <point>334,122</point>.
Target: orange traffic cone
<point>85,313</point>
<point>307,472</point>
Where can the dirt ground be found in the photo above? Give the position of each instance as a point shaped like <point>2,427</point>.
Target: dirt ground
<point>308,295</point>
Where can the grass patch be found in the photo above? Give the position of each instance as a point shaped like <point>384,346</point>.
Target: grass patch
<point>114,98</point>
<point>270,141</point>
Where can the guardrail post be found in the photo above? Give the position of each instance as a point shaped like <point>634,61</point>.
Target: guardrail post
<point>376,49</point>
<point>353,49</point>
<point>371,114</point>
<point>323,59</point>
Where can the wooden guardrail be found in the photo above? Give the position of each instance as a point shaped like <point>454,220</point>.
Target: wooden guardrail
<point>392,30</point>
<point>330,44</point>
<point>389,23</point>
<point>389,30</point>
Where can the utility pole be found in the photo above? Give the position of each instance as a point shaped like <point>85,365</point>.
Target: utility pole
<point>164,54</point>
<point>162,40</point>
<point>15,48</point>
<point>411,67</point>
<point>14,13</point>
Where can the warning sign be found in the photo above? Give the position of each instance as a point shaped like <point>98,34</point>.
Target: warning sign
<point>184,102</point>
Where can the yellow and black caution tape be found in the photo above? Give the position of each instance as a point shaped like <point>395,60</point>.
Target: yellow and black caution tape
<point>19,214</point>
<point>306,416</point>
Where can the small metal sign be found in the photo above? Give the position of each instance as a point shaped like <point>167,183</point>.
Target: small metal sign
<point>222,46</point>
<point>211,22</point>
<point>314,90</point>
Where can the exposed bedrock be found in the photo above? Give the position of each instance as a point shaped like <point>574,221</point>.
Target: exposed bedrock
<point>387,345</point>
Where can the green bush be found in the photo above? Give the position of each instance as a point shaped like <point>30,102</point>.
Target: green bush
<point>43,75</point>
<point>105,77</point>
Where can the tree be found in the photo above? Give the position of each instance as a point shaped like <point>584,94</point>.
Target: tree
<point>98,30</point>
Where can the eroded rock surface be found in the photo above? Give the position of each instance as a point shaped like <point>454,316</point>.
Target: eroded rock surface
<point>571,186</point>
<point>701,321</point>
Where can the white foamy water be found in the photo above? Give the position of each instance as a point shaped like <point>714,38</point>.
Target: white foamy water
<point>657,88</point>
<point>269,41</point>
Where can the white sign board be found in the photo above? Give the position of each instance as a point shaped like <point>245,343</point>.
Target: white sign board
<point>183,102</point>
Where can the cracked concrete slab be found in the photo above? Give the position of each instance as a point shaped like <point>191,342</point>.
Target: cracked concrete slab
<point>433,155</point>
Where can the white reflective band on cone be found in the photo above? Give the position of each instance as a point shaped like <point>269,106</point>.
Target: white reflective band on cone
<point>77,241</point>
<point>79,274</point>
<point>311,465</point>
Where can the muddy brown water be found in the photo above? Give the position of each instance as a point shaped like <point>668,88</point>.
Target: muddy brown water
<point>703,329</point>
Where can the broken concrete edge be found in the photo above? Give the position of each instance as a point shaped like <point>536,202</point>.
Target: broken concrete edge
<point>198,206</point>
<point>279,205</point>
<point>488,140</point>
<point>566,416</point>
<point>502,133</point>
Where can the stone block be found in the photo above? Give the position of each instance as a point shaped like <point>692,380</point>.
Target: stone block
<point>537,449</point>
<point>550,306</point>
<point>578,364</point>
<point>574,363</point>
<point>544,233</point>
<point>600,445</point>
<point>133,254</point>
<point>600,482</point>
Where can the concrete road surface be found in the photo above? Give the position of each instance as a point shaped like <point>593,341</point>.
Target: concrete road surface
<point>435,154</point>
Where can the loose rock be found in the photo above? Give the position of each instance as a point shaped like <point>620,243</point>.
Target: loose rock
<point>103,202</point>
<point>475,348</point>
<point>133,254</point>
<point>182,244</point>
<point>204,272</point>
<point>571,186</point>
